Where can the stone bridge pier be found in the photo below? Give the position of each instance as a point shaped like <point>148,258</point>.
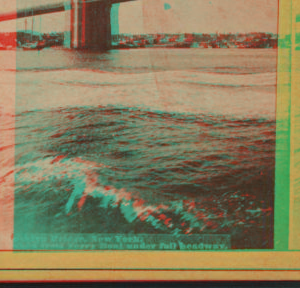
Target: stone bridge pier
<point>90,25</point>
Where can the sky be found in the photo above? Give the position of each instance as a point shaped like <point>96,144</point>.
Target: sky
<point>164,16</point>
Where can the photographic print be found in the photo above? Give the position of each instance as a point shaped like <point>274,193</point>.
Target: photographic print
<point>142,125</point>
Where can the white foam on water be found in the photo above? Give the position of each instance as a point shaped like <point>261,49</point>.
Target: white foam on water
<point>83,181</point>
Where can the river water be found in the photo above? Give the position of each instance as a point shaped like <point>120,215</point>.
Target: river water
<point>166,141</point>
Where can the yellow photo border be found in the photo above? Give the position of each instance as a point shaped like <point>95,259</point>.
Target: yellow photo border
<point>233,265</point>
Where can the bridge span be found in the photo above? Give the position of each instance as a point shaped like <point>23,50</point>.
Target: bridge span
<point>90,25</point>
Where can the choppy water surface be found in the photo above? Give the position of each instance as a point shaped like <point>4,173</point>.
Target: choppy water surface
<point>151,141</point>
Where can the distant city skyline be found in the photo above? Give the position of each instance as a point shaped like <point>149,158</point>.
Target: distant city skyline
<point>166,16</point>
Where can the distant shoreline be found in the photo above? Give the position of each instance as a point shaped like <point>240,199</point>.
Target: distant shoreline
<point>182,47</point>
<point>126,41</point>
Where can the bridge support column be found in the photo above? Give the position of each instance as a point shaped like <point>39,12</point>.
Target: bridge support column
<point>91,25</point>
<point>67,32</point>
